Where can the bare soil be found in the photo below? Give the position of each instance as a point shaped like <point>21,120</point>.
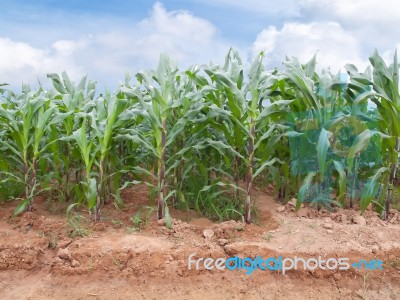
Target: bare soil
<point>42,257</point>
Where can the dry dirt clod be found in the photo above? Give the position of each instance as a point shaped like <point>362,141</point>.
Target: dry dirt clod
<point>223,242</point>
<point>56,261</point>
<point>75,263</point>
<point>161,222</point>
<point>208,233</point>
<point>292,202</point>
<point>328,225</point>
<point>281,208</point>
<point>64,254</point>
<point>302,213</point>
<point>357,219</point>
<point>375,249</point>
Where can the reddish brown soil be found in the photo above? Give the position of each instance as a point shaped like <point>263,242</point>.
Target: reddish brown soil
<point>40,260</point>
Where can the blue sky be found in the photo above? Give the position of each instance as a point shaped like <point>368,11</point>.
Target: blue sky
<point>105,39</point>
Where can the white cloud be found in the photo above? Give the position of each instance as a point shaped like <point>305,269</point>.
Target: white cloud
<point>334,46</point>
<point>21,62</point>
<point>339,32</point>
<point>374,23</point>
<point>356,11</point>
<point>106,56</point>
<point>188,38</point>
<point>68,47</point>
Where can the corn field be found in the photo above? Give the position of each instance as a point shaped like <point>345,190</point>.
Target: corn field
<point>202,138</point>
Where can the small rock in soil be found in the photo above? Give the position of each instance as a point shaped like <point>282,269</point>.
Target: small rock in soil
<point>359,220</point>
<point>208,233</point>
<point>75,263</point>
<point>292,202</point>
<point>161,222</point>
<point>56,261</point>
<point>223,242</point>
<point>375,249</point>
<point>328,225</point>
<point>64,254</point>
<point>281,209</point>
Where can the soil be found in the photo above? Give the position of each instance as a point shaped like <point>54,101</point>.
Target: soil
<point>44,256</point>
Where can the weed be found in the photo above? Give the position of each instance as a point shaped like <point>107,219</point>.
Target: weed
<point>131,230</point>
<point>117,222</point>
<point>394,263</point>
<point>76,222</point>
<point>365,286</point>
<point>116,261</point>
<point>53,241</point>
<point>141,218</point>
<point>268,236</point>
<point>137,221</point>
<point>239,228</point>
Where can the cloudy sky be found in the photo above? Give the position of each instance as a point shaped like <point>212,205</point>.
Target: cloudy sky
<point>105,39</point>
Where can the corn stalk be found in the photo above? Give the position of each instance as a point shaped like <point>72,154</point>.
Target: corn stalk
<point>245,114</point>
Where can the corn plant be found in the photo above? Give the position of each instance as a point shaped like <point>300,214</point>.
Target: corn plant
<point>72,100</point>
<point>192,136</point>
<point>27,121</point>
<point>387,99</point>
<point>164,112</point>
<point>319,112</point>
<point>243,100</point>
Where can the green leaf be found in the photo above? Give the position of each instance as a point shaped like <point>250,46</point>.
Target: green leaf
<point>168,219</point>
<point>71,206</point>
<point>91,193</point>
<point>304,188</point>
<point>266,164</point>
<point>322,149</point>
<point>342,180</point>
<point>22,207</point>
<point>370,188</point>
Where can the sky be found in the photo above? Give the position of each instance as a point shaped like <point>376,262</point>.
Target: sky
<point>106,39</point>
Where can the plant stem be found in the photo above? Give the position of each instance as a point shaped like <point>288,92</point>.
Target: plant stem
<point>389,193</point>
<point>67,173</point>
<point>236,173</point>
<point>161,170</point>
<point>99,190</point>
<point>353,187</point>
<point>249,177</point>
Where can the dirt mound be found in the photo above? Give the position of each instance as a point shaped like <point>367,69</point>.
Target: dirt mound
<point>40,258</point>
